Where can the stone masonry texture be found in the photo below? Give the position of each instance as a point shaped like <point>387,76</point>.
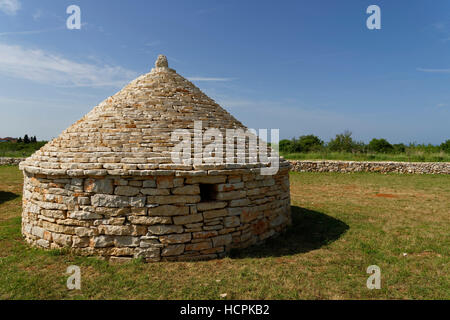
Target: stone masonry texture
<point>368,166</point>
<point>342,166</point>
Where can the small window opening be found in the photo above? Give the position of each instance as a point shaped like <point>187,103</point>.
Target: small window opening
<point>207,192</point>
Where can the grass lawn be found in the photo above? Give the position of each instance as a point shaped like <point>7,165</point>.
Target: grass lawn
<point>401,157</point>
<point>342,224</point>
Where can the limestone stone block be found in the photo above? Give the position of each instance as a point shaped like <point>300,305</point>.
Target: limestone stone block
<point>231,195</point>
<point>239,203</point>
<point>215,213</point>
<point>192,218</point>
<point>84,232</point>
<point>149,220</point>
<point>225,187</point>
<point>147,253</point>
<point>78,242</point>
<point>114,201</point>
<point>114,230</point>
<point>84,215</point>
<point>104,186</point>
<point>126,191</point>
<point>137,230</point>
<point>223,240</point>
<point>150,243</point>
<point>135,183</point>
<point>103,241</point>
<point>164,182</point>
<point>43,243</point>
<point>155,192</point>
<point>139,211</point>
<point>62,239</point>
<point>198,246</point>
<point>206,179</point>
<point>110,201</point>
<point>174,199</point>
<point>206,206</point>
<point>126,241</point>
<point>230,222</point>
<point>151,183</point>
<point>137,202</point>
<point>204,234</point>
<point>168,210</point>
<point>249,215</point>
<point>37,231</point>
<point>178,182</point>
<point>173,250</point>
<point>176,238</point>
<point>187,190</point>
<point>164,229</point>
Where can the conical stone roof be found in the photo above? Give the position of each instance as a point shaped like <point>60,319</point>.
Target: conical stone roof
<point>131,131</point>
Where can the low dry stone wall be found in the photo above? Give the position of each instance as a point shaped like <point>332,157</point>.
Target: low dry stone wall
<point>367,166</point>
<point>342,166</point>
<point>10,161</point>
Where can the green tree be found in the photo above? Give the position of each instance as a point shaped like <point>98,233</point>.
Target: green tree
<point>445,146</point>
<point>343,143</point>
<point>285,145</point>
<point>380,146</point>
<point>399,148</point>
<point>309,143</point>
<point>26,139</point>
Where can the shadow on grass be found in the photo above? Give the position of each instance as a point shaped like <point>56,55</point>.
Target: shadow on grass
<point>310,230</point>
<point>7,196</point>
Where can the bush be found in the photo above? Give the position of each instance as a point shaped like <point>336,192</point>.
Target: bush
<point>445,146</point>
<point>399,148</point>
<point>285,145</point>
<point>305,143</point>
<point>344,143</point>
<point>380,145</point>
<point>309,143</point>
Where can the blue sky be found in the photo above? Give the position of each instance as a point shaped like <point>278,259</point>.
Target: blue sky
<point>300,66</point>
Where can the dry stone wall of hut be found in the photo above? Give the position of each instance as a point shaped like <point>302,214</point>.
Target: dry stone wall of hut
<point>162,215</point>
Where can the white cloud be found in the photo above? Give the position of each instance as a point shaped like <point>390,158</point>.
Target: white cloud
<point>47,68</point>
<point>9,7</point>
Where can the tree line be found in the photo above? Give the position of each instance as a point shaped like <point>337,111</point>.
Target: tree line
<point>27,139</point>
<point>344,142</point>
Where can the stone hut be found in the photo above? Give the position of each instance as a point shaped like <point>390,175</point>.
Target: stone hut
<point>108,185</point>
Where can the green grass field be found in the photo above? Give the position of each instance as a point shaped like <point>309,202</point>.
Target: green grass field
<point>342,223</point>
<point>402,157</point>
